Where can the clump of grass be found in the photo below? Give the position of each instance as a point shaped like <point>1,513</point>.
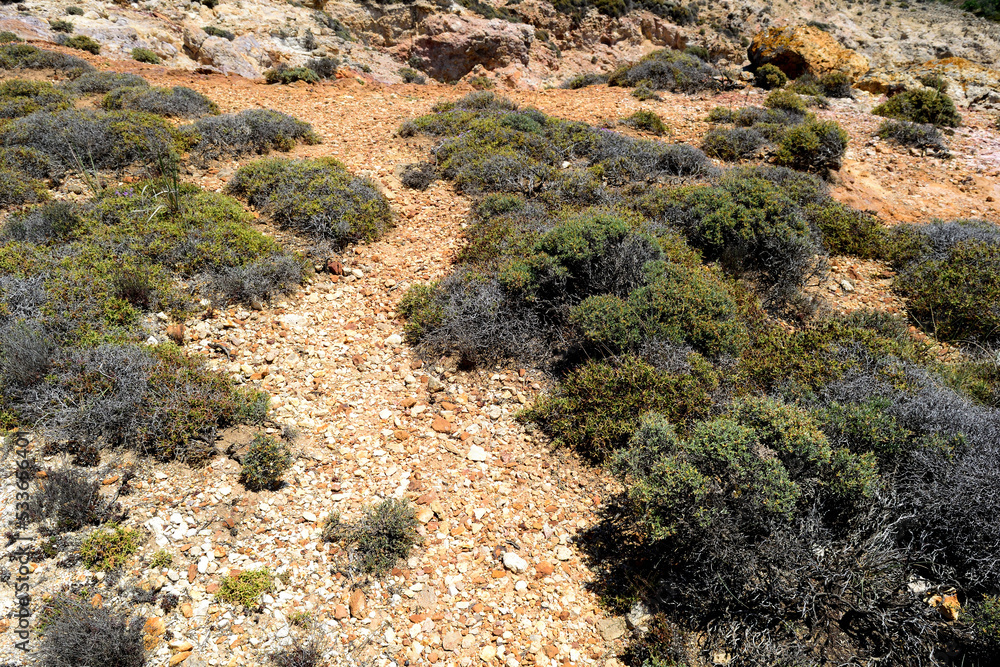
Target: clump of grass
<point>162,558</point>
<point>109,549</point>
<point>83,43</point>
<point>246,587</point>
<point>384,534</point>
<point>147,56</point>
<point>284,74</point>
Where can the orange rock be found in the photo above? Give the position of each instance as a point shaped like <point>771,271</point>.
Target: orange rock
<point>950,607</point>
<point>179,658</point>
<point>357,604</point>
<point>797,50</point>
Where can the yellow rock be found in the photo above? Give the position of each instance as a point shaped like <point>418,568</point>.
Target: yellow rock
<point>797,50</point>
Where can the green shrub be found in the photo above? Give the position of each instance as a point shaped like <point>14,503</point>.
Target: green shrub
<point>7,37</point>
<point>807,84</point>
<point>251,131</point>
<point>721,115</point>
<point>317,197</point>
<point>836,84</point>
<point>785,100</point>
<point>215,31</point>
<point>16,188</point>
<point>77,632</point>
<point>325,67</point>
<point>681,304</point>
<point>288,75</point>
<point>482,83</point>
<point>645,93</point>
<point>769,76</point>
<point>905,133</point>
<point>264,462</point>
<point>180,102</point>
<point>109,549</point>
<point>583,80</point>
<point>67,500</point>
<point>813,146</point>
<point>732,145</point>
<point>847,231</point>
<point>384,534</point>
<point>951,282</point>
<point>61,25</point>
<point>246,587</point>
<point>984,618</point>
<point>105,140</point>
<point>74,11</point>
<point>22,56</point>
<point>410,75</point>
<point>667,69</point>
<point>83,43</point>
<point>162,558</point>
<point>104,82</point>
<point>647,121</point>
<point>21,98</point>
<point>598,406</point>
<point>148,56</point>
<point>923,105</point>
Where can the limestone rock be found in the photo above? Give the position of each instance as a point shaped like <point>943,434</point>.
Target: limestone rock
<point>514,563</point>
<point>805,49</point>
<point>451,46</point>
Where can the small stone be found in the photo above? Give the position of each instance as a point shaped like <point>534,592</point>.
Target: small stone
<point>340,612</point>
<point>544,569</point>
<point>433,384</point>
<point>441,425</point>
<point>424,514</point>
<point>395,340</point>
<point>846,285</point>
<point>357,604</point>
<point>488,653</point>
<point>514,563</point>
<point>187,610</point>
<point>477,453</point>
<point>611,628</point>
<point>452,640</point>
<point>179,658</point>
<point>563,552</point>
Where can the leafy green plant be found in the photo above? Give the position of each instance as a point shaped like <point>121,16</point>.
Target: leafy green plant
<point>288,75</point>
<point>109,549</point>
<point>647,121</point>
<point>847,231</point>
<point>148,56</point>
<point>813,146</point>
<point>769,76</point>
<point>83,43</point>
<point>61,25</point>
<point>785,100</point>
<point>923,105</point>
<point>246,587</point>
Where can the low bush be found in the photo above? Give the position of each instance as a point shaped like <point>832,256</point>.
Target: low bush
<point>836,84</point>
<point>298,654</point>
<point>17,188</point>
<point>785,100</point>
<point>249,132</point>
<point>924,136</point>
<point>95,139</point>
<point>645,93</point>
<point>418,176</point>
<point>647,121</point>
<point>83,43</point>
<point>732,145</point>
<point>266,460</point>
<point>78,632</point>
<point>180,102</point>
<point>951,278</point>
<point>984,617</point>
<point>20,98</point>
<point>923,105</point>
<point>383,535</point>
<point>7,37</point>
<point>667,69</point>
<point>258,282</point>
<point>317,197</point>
<point>246,587</point>
<point>21,56</point>
<point>68,500</point>
<point>410,75</point>
<point>104,82</point>
<point>286,75</point>
<point>769,76</point>
<point>847,231</point>
<point>813,146</point>
<point>109,549</point>
<point>61,25</point>
<point>583,80</point>
<point>482,83</point>
<point>215,31</point>
<point>74,11</point>
<point>30,161</point>
<point>325,67</point>
<point>147,56</point>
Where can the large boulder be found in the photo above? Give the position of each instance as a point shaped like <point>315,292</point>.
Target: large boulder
<point>969,84</point>
<point>805,49</point>
<point>219,54</point>
<point>451,46</point>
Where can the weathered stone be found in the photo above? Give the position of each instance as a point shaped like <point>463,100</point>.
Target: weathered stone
<point>797,50</point>
<point>357,604</point>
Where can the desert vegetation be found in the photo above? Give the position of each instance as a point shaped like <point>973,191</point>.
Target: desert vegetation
<point>779,481</point>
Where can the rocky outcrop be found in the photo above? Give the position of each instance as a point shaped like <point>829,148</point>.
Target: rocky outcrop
<point>805,49</point>
<point>219,54</point>
<point>453,46</point>
<point>969,84</point>
<point>27,28</point>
